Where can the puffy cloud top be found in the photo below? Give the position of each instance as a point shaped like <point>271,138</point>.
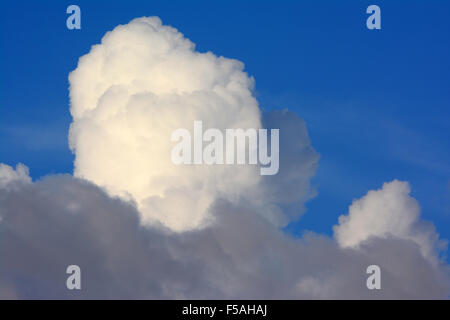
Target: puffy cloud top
<point>129,93</point>
<point>9,176</point>
<point>387,212</point>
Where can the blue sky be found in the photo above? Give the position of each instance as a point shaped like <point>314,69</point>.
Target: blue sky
<point>376,103</point>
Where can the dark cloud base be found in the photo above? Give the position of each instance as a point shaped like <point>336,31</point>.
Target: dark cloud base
<point>58,221</point>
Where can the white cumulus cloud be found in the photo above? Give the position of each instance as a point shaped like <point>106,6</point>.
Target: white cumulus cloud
<point>387,212</point>
<point>129,93</point>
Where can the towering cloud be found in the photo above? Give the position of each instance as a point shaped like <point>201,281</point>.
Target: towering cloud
<point>129,94</point>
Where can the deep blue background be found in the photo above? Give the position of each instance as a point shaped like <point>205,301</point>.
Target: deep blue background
<point>376,102</point>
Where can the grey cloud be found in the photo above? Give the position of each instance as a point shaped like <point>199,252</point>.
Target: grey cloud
<point>291,187</point>
<point>61,220</point>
